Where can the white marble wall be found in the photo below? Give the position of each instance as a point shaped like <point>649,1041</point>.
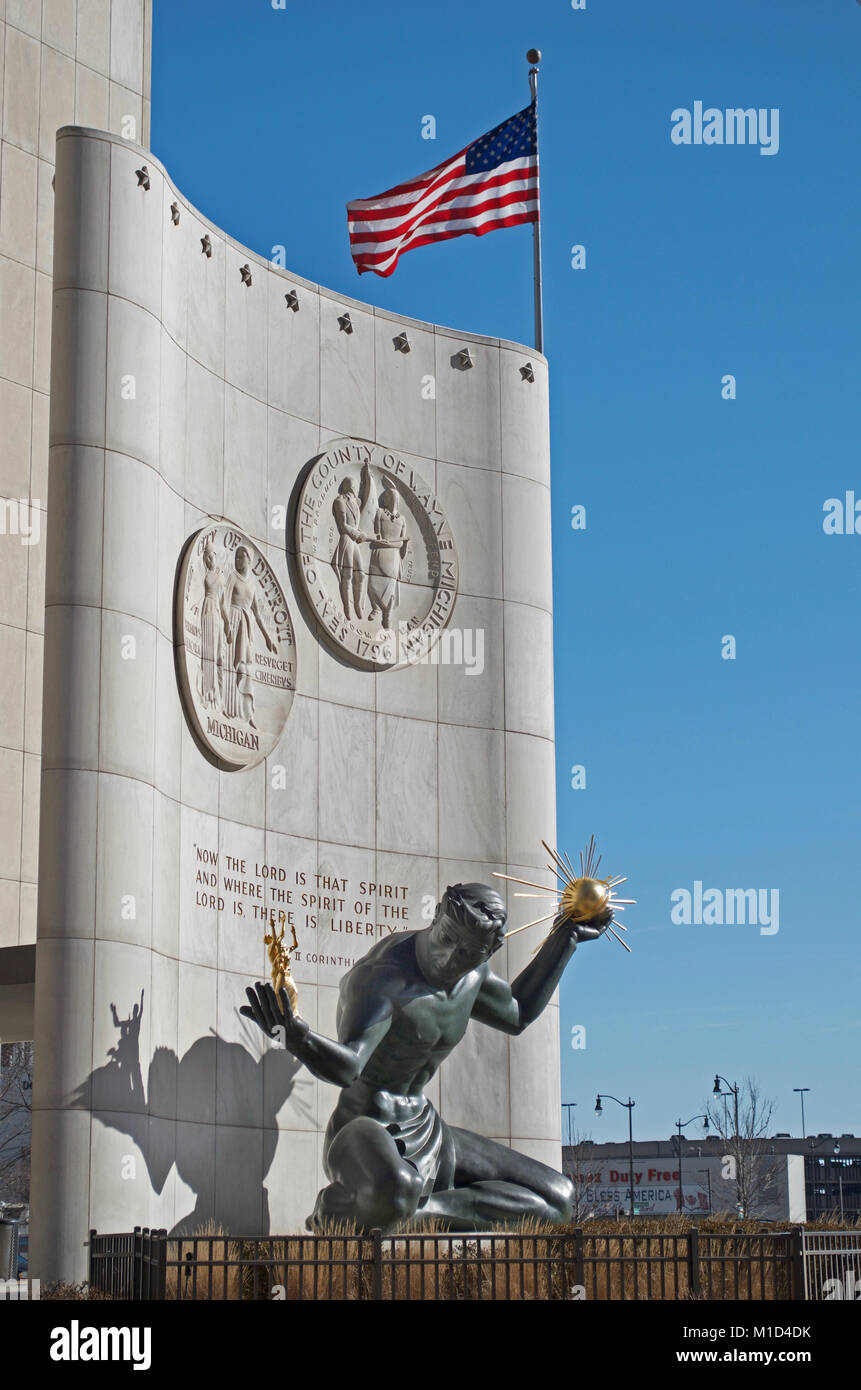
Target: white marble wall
<point>60,61</point>
<point>450,775</point>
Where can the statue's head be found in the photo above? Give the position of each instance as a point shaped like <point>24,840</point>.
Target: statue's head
<point>468,926</point>
<point>389,500</point>
<point>242,559</point>
<point>209,557</point>
<point>346,487</point>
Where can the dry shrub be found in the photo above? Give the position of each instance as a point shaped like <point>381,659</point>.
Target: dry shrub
<point>642,1259</point>
<point>201,1267</point>
<point>68,1293</point>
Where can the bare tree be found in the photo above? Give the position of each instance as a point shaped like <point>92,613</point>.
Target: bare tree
<point>752,1165</point>
<point>16,1081</point>
<point>579,1167</point>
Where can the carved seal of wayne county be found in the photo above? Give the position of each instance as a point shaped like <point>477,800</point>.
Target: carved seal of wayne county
<point>375,555</point>
<point>235,647</point>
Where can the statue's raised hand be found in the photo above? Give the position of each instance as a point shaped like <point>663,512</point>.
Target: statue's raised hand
<point>262,1008</point>
<point>591,930</point>
<point>595,927</point>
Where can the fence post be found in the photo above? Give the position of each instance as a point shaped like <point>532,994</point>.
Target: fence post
<point>161,1267</point>
<point>377,1270</point>
<point>796,1263</point>
<point>146,1261</point>
<point>148,1239</point>
<point>579,1261</point>
<point>137,1262</point>
<point>693,1263</point>
<point>90,1265</point>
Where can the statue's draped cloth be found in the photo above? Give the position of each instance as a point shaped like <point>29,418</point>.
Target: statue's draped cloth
<point>420,1135</point>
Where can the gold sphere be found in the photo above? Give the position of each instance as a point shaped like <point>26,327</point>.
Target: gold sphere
<point>583,898</point>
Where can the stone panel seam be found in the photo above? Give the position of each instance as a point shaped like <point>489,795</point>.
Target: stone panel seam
<point>504,694</point>
<point>376,723</point>
<point>146,74</point>
<point>73,57</point>
<point>6,255</point>
<point>96,864</point>
<point>156,792</point>
<point>498,472</point>
<point>437,682</point>
<point>156,1115</point>
<point>30,388</point>
<point>444,723</point>
<point>7,498</point>
<point>10,24</point>
<point>17,627</point>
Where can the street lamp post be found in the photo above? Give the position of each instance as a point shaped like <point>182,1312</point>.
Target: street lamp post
<point>680,1125</point>
<point>732,1091</point>
<point>629,1106</point>
<point>569,1105</point>
<point>801,1090</point>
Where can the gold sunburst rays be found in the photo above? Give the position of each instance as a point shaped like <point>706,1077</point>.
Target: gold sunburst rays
<point>581,896</point>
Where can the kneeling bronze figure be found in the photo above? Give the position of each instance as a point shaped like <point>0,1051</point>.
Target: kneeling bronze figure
<point>390,1158</point>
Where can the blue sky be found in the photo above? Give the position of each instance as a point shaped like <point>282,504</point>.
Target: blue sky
<point>704,515</point>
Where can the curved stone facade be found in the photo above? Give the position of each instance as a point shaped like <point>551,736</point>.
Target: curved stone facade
<point>194,382</point>
<point>60,61</point>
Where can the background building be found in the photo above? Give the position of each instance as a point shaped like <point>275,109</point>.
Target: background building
<point>16,1086</point>
<point>795,1179</point>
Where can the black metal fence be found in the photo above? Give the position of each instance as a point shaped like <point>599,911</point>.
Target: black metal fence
<point>148,1264</point>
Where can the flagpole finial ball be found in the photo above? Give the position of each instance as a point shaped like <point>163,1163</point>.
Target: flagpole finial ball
<point>534,54</point>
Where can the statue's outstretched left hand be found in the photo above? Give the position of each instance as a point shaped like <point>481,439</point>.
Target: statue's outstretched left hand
<point>263,1009</point>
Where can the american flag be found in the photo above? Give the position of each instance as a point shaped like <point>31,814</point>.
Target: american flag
<point>492,183</point>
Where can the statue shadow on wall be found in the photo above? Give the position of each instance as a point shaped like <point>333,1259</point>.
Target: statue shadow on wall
<point>233,1078</point>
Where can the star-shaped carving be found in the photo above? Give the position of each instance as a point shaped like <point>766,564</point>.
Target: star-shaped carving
<point>206,245</point>
<point>245,273</point>
<point>463,360</point>
<point>174,214</point>
<point>143,177</point>
<point>527,373</point>
<point>402,343</point>
<point>292,299</point>
<point>345,323</point>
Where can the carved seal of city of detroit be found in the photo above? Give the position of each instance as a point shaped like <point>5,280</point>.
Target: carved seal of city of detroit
<point>235,647</point>
<point>375,554</point>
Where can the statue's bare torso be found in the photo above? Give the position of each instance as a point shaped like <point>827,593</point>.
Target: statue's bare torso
<point>426,1023</point>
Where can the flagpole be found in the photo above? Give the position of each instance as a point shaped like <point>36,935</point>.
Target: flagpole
<point>534,57</point>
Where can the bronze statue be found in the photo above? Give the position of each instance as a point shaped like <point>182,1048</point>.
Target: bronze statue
<point>279,959</point>
<point>403,1007</point>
